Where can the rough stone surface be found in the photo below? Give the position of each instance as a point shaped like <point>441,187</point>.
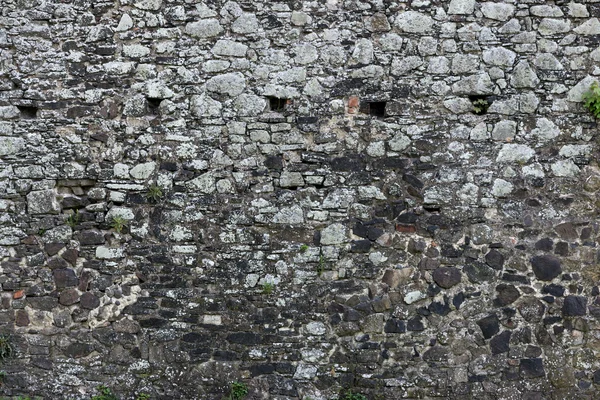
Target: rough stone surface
<point>300,196</point>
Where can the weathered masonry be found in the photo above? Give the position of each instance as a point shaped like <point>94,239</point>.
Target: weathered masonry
<point>399,198</point>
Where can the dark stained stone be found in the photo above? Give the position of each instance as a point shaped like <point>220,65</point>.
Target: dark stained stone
<point>248,338</point>
<point>597,377</point>
<point>415,324</point>
<point>44,303</point>
<point>450,251</point>
<point>546,267</point>
<point>554,290</point>
<point>91,237</point>
<point>531,309</point>
<point>68,297</point>
<point>427,263</point>
<point>500,343</point>
<point>53,248</point>
<point>21,318</point>
<point>446,277</point>
<point>567,231</point>
<point>440,308</point>
<point>89,301</point>
<point>70,256</point>
<point>478,272</point>
<point>507,294</point>
<point>126,325</point>
<point>78,350</point>
<point>574,306</point>
<point>360,246</point>
<point>544,244</point>
<point>153,323</point>
<point>394,325</point>
<point>436,353</point>
<point>494,259</point>
<point>262,369</point>
<point>562,249</point>
<point>489,325</point>
<point>532,368</point>
<point>57,263</point>
<point>65,277</point>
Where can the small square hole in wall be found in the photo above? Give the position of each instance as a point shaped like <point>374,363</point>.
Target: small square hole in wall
<point>153,105</point>
<point>276,103</point>
<point>374,108</point>
<point>28,112</point>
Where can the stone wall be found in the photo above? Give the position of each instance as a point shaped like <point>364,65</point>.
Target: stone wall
<point>393,197</point>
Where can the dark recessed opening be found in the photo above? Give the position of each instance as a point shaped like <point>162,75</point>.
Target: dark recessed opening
<point>480,103</point>
<point>374,108</point>
<point>276,103</point>
<point>28,112</point>
<point>153,105</point>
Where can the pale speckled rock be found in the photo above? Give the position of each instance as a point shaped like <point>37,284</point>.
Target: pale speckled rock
<point>289,215</point>
<point>42,202</point>
<point>504,131</point>
<point>550,26</point>
<point>11,145</point>
<point>135,50</point>
<point>462,7</point>
<point>497,11</point>
<point>9,112</point>
<point>125,23</point>
<point>148,4</point>
<point>229,48</point>
<point>245,24</point>
<point>480,84</point>
<point>248,105</point>
<point>334,234</point>
<point>524,76</point>
<point>231,84</point>
<point>499,56</point>
<point>583,86</point>
<point>414,22</point>
<point>547,61</point>
<point>502,188</point>
<point>109,253</point>
<point>515,153</point>
<point>204,106</point>
<point>565,168</point>
<point>205,28</point>
<point>401,66</point>
<point>143,171</point>
<point>205,183</point>
<point>545,130</point>
<point>589,27</point>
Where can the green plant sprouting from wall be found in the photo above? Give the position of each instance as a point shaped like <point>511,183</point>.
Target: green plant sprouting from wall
<point>350,395</point>
<point>154,193</point>
<point>6,350</point>
<point>118,223</point>
<point>268,288</point>
<point>73,219</point>
<point>591,99</point>
<point>104,394</point>
<point>480,106</point>
<point>237,391</point>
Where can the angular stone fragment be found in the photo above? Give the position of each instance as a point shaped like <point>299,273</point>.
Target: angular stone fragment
<point>291,179</point>
<point>499,56</point>
<point>504,131</point>
<point>68,297</point>
<point>335,233</point>
<point>246,23</point>
<point>395,277</point>
<point>524,76</point>
<point>550,26</point>
<point>204,106</point>
<point>532,368</point>
<point>546,267</point>
<point>501,343</point>
<point>589,27</point>
<point>394,325</point>
<point>152,5</point>
<point>446,277</point>
<point>88,237</point>
<point>479,84</point>
<point>229,48</point>
<point>89,301</point>
<point>478,272</point>
<point>143,171</point>
<point>531,309</point>
<point>65,278</point>
<point>574,306</point>
<point>489,326</point>
<point>289,215</point>
<point>507,294</point>
<point>377,23</point>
